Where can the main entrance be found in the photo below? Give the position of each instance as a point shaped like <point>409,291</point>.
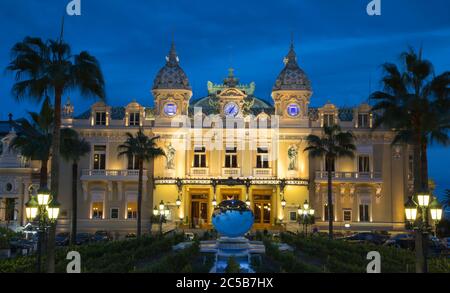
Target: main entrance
<point>199,210</point>
<point>231,194</point>
<point>262,209</point>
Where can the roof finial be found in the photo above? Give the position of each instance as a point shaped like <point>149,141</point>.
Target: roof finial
<point>231,72</point>
<point>292,40</point>
<point>172,58</point>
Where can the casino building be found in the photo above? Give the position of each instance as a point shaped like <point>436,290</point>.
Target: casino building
<point>227,145</point>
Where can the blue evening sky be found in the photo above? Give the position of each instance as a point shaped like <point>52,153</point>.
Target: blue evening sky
<point>339,46</point>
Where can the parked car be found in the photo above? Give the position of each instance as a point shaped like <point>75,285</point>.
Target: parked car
<point>62,239</point>
<point>83,238</point>
<point>130,236</point>
<point>366,237</point>
<point>446,242</point>
<point>17,245</point>
<point>408,241</point>
<point>102,236</point>
<point>401,240</point>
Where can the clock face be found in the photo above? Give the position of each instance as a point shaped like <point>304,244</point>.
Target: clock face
<point>293,110</point>
<point>231,109</point>
<point>170,109</point>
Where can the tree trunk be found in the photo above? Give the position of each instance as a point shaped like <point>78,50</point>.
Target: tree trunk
<point>56,141</point>
<point>424,165</point>
<point>330,201</point>
<point>139,199</point>
<point>74,202</point>
<point>416,168</point>
<point>43,175</point>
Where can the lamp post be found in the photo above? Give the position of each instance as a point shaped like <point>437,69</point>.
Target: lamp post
<point>306,216</point>
<point>45,209</point>
<point>416,212</point>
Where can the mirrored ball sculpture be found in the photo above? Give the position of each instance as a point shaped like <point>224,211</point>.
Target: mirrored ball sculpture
<point>232,218</point>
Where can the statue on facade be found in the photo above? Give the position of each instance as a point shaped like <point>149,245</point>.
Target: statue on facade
<point>292,155</point>
<point>170,156</point>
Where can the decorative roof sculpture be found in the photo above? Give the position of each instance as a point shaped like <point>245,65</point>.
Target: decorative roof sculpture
<point>172,76</point>
<point>292,77</point>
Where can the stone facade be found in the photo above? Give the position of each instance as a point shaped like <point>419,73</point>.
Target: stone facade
<point>261,162</point>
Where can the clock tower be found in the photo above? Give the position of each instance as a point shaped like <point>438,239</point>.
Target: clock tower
<point>291,92</point>
<point>171,90</point>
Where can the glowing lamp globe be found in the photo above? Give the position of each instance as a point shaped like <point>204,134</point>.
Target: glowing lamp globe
<point>232,218</point>
<point>436,210</point>
<point>43,196</point>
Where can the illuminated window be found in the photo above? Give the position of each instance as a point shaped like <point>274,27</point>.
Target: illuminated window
<point>293,216</point>
<point>325,211</point>
<point>133,163</point>
<point>231,158</point>
<point>100,118</point>
<point>262,158</point>
<point>134,119</point>
<point>363,120</point>
<point>97,210</point>
<point>199,157</point>
<point>328,120</point>
<point>114,213</point>
<point>364,213</point>
<point>363,164</point>
<point>132,210</point>
<point>99,157</point>
<point>347,215</point>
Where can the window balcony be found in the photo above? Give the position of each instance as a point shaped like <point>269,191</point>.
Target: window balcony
<point>262,172</point>
<point>231,172</point>
<point>114,175</point>
<point>199,172</point>
<point>322,176</point>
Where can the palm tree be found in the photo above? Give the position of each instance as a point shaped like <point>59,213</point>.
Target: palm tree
<point>72,150</point>
<point>50,67</point>
<point>333,144</point>
<point>34,139</point>
<point>416,104</point>
<point>446,200</point>
<point>143,149</point>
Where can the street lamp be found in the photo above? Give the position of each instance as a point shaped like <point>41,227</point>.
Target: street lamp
<point>155,211</point>
<point>45,209</point>
<point>419,222</point>
<point>283,203</point>
<point>306,216</point>
<point>178,202</point>
<point>247,202</point>
<point>214,202</point>
<point>162,207</point>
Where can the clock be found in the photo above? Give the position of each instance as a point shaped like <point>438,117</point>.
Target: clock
<point>293,110</point>
<point>170,109</point>
<point>231,109</point>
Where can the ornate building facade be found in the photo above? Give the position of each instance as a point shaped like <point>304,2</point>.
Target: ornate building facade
<point>227,145</point>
